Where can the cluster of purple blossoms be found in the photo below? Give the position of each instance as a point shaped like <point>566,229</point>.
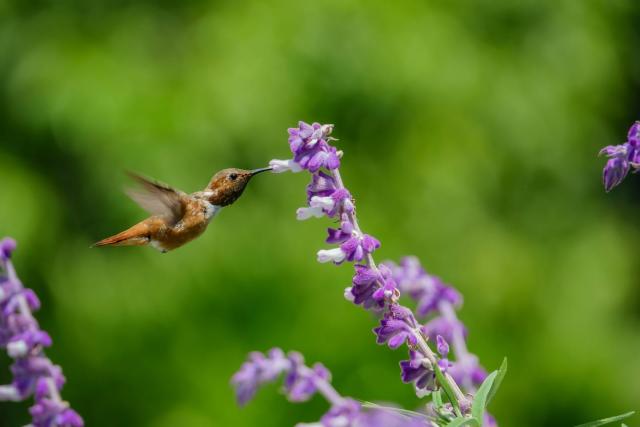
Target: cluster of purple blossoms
<point>378,287</point>
<point>301,382</point>
<point>438,302</point>
<point>33,373</point>
<point>622,158</point>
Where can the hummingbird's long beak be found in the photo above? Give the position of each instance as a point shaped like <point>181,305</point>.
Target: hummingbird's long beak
<point>257,171</point>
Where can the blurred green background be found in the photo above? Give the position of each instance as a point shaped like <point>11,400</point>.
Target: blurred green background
<point>470,132</point>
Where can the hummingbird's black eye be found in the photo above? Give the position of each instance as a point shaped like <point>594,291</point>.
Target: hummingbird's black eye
<point>233,176</point>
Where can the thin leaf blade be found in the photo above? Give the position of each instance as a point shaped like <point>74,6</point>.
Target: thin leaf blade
<point>498,381</point>
<point>480,399</point>
<point>607,420</point>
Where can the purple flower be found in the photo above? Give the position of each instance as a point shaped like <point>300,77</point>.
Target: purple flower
<point>321,185</point>
<point>7,246</point>
<point>365,283</point>
<point>419,371</point>
<point>621,158</point>
<point>301,382</point>
<point>443,326</point>
<point>396,327</point>
<point>442,346</point>
<point>310,148</point>
<point>344,414</point>
<point>468,370</point>
<point>340,235</point>
<point>428,290</point>
<point>388,290</point>
<point>258,370</point>
<point>33,372</point>
<point>356,248</point>
<point>633,136</point>
<point>337,202</point>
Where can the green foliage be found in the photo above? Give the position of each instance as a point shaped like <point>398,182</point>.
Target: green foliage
<point>470,136</point>
<point>497,382</point>
<point>480,399</point>
<point>609,420</point>
<point>463,421</point>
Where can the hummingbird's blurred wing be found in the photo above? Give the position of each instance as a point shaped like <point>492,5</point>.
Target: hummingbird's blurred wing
<point>159,199</point>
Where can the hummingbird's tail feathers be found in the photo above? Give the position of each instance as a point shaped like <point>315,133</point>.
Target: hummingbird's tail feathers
<point>128,237</point>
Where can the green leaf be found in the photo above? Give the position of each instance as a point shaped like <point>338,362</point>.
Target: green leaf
<point>498,381</point>
<point>461,421</point>
<point>607,420</point>
<point>447,388</point>
<point>437,399</point>
<point>400,411</point>
<point>480,399</point>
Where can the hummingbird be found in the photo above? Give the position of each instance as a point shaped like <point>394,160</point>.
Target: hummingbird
<point>177,217</point>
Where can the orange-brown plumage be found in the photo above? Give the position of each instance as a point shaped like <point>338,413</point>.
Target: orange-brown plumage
<point>178,217</point>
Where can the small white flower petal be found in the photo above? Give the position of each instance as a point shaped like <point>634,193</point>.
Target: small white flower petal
<point>279,166</point>
<point>17,348</point>
<point>306,213</point>
<point>9,393</point>
<point>325,203</point>
<point>348,295</point>
<point>331,255</point>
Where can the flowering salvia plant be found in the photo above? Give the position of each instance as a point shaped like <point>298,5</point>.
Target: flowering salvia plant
<point>622,158</point>
<point>459,387</point>
<point>33,373</point>
<point>452,383</point>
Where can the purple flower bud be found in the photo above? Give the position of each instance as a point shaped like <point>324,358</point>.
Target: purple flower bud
<point>621,158</point>
<point>7,246</point>
<point>615,171</point>
<point>633,137</point>
<point>442,345</point>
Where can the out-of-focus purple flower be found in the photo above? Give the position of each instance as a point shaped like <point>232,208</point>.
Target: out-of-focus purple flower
<point>621,158</point>
<point>468,369</point>
<point>419,371</point>
<point>633,136</point>
<point>301,381</point>
<point>257,370</point>
<point>33,372</point>
<point>426,289</point>
<point>396,327</point>
<point>344,414</point>
<point>443,326</point>
<point>442,346</point>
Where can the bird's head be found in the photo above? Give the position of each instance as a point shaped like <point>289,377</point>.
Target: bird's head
<point>228,184</point>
